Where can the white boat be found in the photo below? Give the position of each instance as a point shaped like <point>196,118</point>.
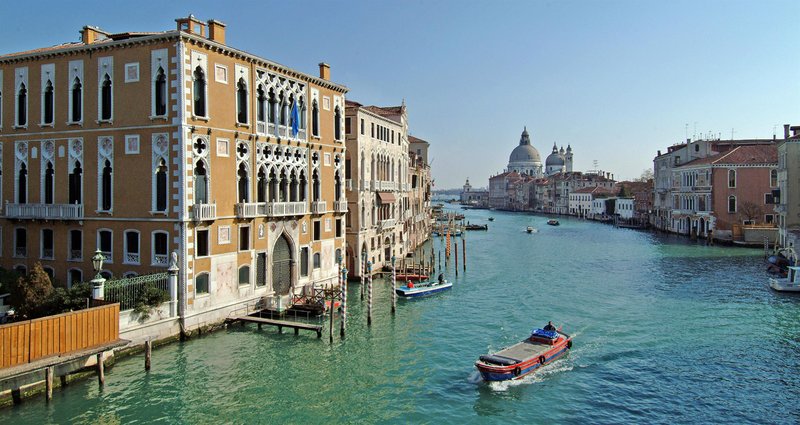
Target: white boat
<point>788,283</point>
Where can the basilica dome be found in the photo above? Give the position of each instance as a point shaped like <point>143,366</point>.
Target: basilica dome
<point>555,158</point>
<point>525,158</point>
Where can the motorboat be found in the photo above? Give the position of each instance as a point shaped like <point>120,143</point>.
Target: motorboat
<point>788,283</point>
<point>491,218</point>
<point>421,289</point>
<point>529,229</point>
<point>553,222</point>
<point>528,356</point>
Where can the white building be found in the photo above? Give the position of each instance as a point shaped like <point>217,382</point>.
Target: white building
<point>624,207</point>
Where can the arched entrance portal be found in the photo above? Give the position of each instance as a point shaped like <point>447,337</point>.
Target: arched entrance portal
<point>282,266</point>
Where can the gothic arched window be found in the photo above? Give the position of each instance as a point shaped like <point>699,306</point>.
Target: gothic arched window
<point>75,184</point>
<point>77,100</point>
<point>48,105</point>
<point>199,92</point>
<point>160,93</point>
<point>105,99</point>
<point>241,101</point>
<point>243,184</point>
<point>105,190</point>
<point>200,183</point>
<point>161,186</point>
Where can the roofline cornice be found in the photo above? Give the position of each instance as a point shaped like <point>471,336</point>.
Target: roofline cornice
<point>167,36</point>
<point>270,65</point>
<point>83,48</point>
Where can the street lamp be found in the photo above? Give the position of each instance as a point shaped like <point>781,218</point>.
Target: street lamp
<point>98,282</point>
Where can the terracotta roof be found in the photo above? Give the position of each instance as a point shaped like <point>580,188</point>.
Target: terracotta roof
<point>593,189</point>
<point>741,155</point>
<point>412,139</point>
<point>350,103</point>
<point>47,49</point>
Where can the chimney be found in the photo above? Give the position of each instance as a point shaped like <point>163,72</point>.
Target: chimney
<point>324,71</point>
<point>786,131</point>
<point>659,153</point>
<point>216,31</point>
<point>91,34</point>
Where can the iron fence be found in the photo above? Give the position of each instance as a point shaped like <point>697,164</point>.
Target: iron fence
<point>128,291</point>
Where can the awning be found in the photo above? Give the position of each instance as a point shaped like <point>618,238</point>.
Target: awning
<point>386,197</point>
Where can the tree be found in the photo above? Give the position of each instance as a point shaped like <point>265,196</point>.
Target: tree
<point>647,174</point>
<point>751,211</point>
<point>31,294</point>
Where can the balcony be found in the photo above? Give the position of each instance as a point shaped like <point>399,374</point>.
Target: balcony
<point>75,255</point>
<point>132,258</point>
<point>160,260</point>
<point>250,209</point>
<point>348,184</point>
<point>204,212</point>
<point>364,185</point>
<point>47,253</point>
<point>407,214</point>
<point>340,206</point>
<point>261,127</point>
<point>386,224</point>
<point>271,129</point>
<point>20,252</point>
<point>283,209</point>
<point>319,207</point>
<point>45,211</point>
<point>283,132</point>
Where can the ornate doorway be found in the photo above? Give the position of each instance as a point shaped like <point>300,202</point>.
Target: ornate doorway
<point>282,266</point>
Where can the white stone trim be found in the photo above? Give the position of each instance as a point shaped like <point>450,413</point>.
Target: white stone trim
<point>159,59</point>
<point>48,73</point>
<point>105,66</point>
<point>20,78</point>
<point>105,152</point>
<point>75,71</point>
<point>159,152</point>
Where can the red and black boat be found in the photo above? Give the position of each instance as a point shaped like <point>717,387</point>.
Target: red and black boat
<point>525,357</point>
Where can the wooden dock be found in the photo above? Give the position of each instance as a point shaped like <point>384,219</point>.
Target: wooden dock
<point>297,326</point>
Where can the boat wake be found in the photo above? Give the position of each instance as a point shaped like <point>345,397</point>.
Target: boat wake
<point>558,366</point>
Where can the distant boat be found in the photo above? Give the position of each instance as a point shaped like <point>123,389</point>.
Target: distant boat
<point>529,229</point>
<point>476,227</point>
<point>788,283</point>
<point>491,218</point>
<point>553,222</point>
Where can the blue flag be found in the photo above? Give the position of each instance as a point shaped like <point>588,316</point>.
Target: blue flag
<point>295,120</point>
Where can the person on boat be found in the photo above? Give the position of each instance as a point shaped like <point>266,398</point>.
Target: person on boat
<point>410,284</point>
<point>549,327</point>
<point>441,278</point>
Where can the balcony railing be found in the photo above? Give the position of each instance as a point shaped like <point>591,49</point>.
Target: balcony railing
<point>20,251</point>
<point>203,212</point>
<point>261,127</point>
<point>251,209</point>
<point>132,258</point>
<point>340,206</point>
<point>319,207</point>
<point>283,131</point>
<point>160,260</point>
<point>282,209</point>
<point>386,224</point>
<point>348,184</point>
<point>271,128</point>
<point>45,211</point>
<point>75,255</point>
<point>47,253</point>
<point>407,214</point>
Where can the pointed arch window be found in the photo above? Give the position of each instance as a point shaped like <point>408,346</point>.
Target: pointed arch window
<point>301,109</point>
<point>241,101</point>
<point>293,186</point>
<point>105,98</point>
<point>773,178</point>
<point>47,104</point>
<point>48,183</point>
<point>303,184</point>
<point>316,186</point>
<point>22,105</point>
<point>337,187</point>
<point>261,105</point>
<point>283,187</point>
<point>76,101</point>
<point>200,183</point>
<point>22,184</point>
<point>337,124</point>
<point>731,178</point>
<point>261,192</point>
<point>273,108</point>
<point>105,190</point>
<point>731,204</point>
<point>314,119</point>
<point>243,184</point>
<point>161,186</point>
<point>199,92</point>
<point>283,111</point>
<point>75,184</point>
<point>160,93</point>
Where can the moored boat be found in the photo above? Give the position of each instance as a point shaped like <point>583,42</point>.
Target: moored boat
<point>421,289</point>
<point>788,283</point>
<point>553,222</point>
<point>525,357</point>
<point>411,276</point>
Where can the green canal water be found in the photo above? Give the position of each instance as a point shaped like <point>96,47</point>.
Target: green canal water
<point>666,331</point>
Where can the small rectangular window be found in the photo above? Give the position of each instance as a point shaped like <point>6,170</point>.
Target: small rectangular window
<point>75,245</point>
<point>20,242</point>
<point>317,231</point>
<point>105,245</point>
<point>244,238</point>
<point>201,284</point>
<point>202,243</point>
<point>362,126</point>
<point>304,261</point>
<point>47,244</point>
<point>317,260</point>
<point>347,128</point>
<point>338,227</point>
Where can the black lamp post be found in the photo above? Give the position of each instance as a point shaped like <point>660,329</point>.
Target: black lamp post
<point>98,282</point>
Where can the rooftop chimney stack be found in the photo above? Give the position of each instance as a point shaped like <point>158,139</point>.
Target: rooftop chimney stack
<point>216,31</point>
<point>786,131</point>
<point>91,34</point>
<point>324,71</point>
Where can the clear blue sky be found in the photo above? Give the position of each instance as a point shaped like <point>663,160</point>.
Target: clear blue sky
<point>618,80</point>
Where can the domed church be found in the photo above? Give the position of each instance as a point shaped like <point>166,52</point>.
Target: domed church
<point>525,158</point>
<point>559,161</point>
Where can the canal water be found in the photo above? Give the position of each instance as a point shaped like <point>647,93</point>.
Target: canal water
<point>666,331</point>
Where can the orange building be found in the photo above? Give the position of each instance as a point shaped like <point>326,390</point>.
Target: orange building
<point>143,144</point>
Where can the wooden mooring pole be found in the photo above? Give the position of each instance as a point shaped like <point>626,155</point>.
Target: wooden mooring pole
<point>48,383</point>
<point>344,300</point>
<point>369,294</point>
<point>333,301</point>
<point>363,266</point>
<point>455,245</point>
<point>464,251</point>
<point>148,352</point>
<point>394,286</point>
<point>101,375</point>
